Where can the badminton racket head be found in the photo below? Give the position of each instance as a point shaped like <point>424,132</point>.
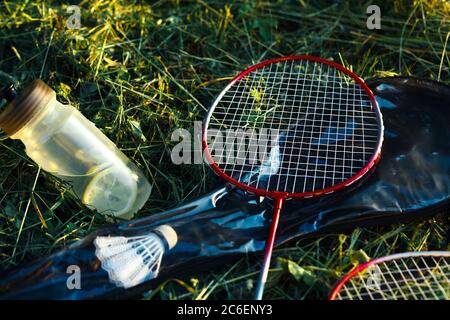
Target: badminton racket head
<point>293,127</point>
<point>405,276</point>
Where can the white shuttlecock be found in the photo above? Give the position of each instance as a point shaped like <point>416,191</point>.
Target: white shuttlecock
<point>130,261</point>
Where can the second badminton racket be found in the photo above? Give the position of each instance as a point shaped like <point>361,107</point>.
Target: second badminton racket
<point>403,276</point>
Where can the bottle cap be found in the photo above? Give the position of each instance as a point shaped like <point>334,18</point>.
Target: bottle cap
<point>21,109</point>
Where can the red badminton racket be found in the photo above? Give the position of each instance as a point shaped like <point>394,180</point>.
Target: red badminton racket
<point>404,276</point>
<point>293,127</point>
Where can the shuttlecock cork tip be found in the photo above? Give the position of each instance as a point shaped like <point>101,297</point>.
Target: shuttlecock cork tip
<point>169,235</point>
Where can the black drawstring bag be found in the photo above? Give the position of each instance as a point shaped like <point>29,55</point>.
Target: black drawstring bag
<point>411,181</point>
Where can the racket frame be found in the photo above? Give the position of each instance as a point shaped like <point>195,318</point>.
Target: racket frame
<point>299,195</point>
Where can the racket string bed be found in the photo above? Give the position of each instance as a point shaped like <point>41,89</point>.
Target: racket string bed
<point>325,135</point>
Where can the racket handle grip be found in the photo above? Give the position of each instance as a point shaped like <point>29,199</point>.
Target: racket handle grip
<point>268,249</point>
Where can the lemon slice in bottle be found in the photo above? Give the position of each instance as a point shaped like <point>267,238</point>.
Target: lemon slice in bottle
<point>112,191</point>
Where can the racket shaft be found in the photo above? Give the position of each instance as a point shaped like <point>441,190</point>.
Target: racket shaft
<point>268,249</point>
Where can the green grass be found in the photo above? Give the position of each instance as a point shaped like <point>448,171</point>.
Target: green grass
<point>140,72</point>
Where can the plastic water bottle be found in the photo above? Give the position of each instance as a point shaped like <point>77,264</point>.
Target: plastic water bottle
<point>63,142</point>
